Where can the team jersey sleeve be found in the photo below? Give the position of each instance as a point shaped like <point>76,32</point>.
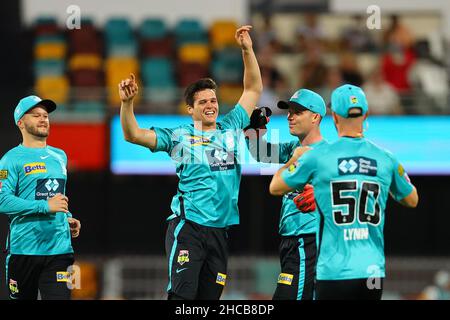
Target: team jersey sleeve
<point>69,214</point>
<point>285,150</point>
<point>9,203</point>
<point>301,172</point>
<point>165,139</point>
<point>236,118</point>
<point>401,185</point>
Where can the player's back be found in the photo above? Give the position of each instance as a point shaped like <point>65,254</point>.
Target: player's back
<point>352,184</point>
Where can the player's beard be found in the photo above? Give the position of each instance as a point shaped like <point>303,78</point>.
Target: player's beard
<point>36,131</point>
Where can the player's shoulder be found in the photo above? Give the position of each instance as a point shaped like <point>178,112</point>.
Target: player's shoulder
<point>383,151</point>
<point>57,151</point>
<point>13,153</point>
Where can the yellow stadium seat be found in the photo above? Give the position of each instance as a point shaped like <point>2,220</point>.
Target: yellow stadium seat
<point>229,94</point>
<point>85,61</point>
<point>117,63</point>
<point>50,50</point>
<point>222,34</point>
<point>53,87</point>
<point>194,53</point>
<point>182,109</point>
<point>117,69</point>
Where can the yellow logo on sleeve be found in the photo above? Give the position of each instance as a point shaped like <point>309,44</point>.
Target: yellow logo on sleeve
<point>401,171</point>
<point>285,278</point>
<point>292,167</point>
<point>3,174</point>
<point>34,167</point>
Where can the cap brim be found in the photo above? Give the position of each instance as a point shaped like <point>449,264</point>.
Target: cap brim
<point>288,104</point>
<point>49,105</point>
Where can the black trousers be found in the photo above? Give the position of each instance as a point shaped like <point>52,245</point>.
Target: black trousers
<point>197,260</point>
<point>298,256</point>
<point>27,274</point>
<point>354,289</point>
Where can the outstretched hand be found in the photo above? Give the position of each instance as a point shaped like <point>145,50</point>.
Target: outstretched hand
<point>243,38</point>
<point>128,88</point>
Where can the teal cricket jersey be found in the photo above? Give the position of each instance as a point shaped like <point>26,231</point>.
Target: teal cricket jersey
<point>352,179</point>
<point>208,169</point>
<point>293,222</point>
<point>29,176</point>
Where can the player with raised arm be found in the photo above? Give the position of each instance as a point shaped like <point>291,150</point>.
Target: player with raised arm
<point>298,249</point>
<point>205,153</point>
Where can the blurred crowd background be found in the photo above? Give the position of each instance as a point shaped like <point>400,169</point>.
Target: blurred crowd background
<point>403,67</point>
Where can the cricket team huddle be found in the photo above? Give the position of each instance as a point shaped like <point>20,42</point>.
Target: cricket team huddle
<point>333,194</point>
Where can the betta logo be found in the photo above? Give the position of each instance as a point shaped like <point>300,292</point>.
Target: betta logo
<point>34,167</point>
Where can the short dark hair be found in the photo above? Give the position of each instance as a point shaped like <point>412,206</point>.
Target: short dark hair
<point>192,89</point>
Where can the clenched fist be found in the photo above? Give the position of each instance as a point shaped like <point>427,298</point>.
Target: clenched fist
<point>58,203</point>
<point>128,89</point>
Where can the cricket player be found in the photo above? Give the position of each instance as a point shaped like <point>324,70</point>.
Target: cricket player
<point>298,249</point>
<point>206,157</point>
<point>33,179</point>
<point>352,180</point>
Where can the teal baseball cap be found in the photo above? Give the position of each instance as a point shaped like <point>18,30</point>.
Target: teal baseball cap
<point>347,97</point>
<point>305,99</point>
<point>30,102</point>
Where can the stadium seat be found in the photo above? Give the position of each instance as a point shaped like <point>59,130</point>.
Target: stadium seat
<point>194,53</point>
<point>153,29</point>
<point>45,25</point>
<point>49,67</point>
<point>190,72</point>
<point>229,94</point>
<point>85,61</point>
<point>189,31</point>
<point>157,72</point>
<point>118,29</point>
<point>50,50</point>
<point>86,78</point>
<point>222,34</point>
<point>55,88</point>
<point>157,47</point>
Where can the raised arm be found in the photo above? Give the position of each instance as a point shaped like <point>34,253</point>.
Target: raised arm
<point>127,90</point>
<point>252,75</point>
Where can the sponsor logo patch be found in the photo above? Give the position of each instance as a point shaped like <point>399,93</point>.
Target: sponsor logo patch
<point>285,278</point>
<point>63,276</point>
<point>47,188</point>
<point>183,257</point>
<point>3,174</point>
<point>292,167</point>
<point>401,170</point>
<point>221,278</point>
<point>198,141</point>
<point>353,99</point>
<point>220,160</point>
<point>357,165</point>
<point>13,288</point>
<point>34,167</point>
